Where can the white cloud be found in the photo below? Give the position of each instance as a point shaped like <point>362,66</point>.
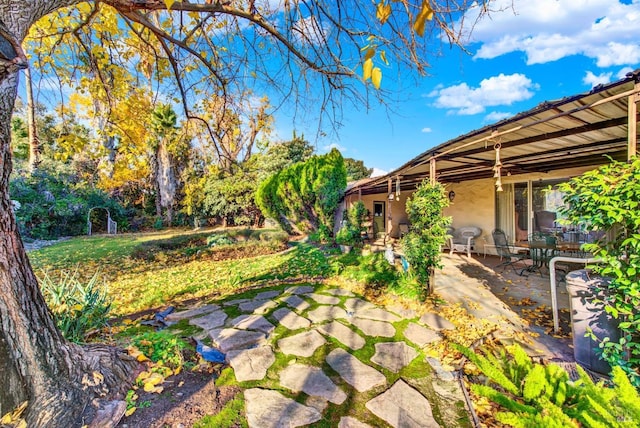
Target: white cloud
<point>426,130</point>
<point>497,116</point>
<point>494,91</point>
<point>594,80</point>
<point>331,146</point>
<point>623,72</point>
<point>377,172</point>
<point>547,30</point>
<point>310,31</point>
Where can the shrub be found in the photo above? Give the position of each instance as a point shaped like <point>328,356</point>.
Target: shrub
<point>219,239</point>
<point>54,203</point>
<point>422,245</point>
<point>305,194</point>
<point>78,309</point>
<point>608,199</point>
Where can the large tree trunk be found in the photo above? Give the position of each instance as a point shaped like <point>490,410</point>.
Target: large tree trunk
<point>57,377</point>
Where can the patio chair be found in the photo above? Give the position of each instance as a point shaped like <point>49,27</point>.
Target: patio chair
<point>505,251</point>
<point>462,239</point>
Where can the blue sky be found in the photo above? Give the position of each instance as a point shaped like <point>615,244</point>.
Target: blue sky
<point>532,52</point>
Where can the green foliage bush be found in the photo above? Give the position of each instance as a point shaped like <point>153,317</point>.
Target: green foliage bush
<point>305,195</point>
<point>161,346</point>
<point>54,202</point>
<point>350,232</point>
<point>608,199</point>
<point>535,395</point>
<point>422,245</point>
<point>219,239</point>
<point>78,309</point>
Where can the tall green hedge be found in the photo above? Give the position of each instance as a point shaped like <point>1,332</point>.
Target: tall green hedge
<point>304,197</point>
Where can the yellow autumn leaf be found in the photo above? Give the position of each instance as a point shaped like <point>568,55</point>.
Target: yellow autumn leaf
<point>127,321</point>
<point>177,370</point>
<point>6,419</point>
<point>77,307</point>
<point>21,424</point>
<point>370,53</point>
<point>155,379</point>
<point>130,411</point>
<point>141,358</point>
<point>383,57</point>
<point>383,12</point>
<point>143,375</point>
<point>169,3</point>
<point>149,387</point>
<point>366,69</point>
<point>376,77</point>
<point>426,14</point>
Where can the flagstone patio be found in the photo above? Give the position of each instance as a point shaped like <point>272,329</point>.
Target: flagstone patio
<point>331,327</point>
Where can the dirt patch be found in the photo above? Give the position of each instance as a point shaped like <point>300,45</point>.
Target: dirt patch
<point>186,399</point>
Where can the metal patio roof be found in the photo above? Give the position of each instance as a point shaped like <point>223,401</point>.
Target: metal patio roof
<point>572,132</point>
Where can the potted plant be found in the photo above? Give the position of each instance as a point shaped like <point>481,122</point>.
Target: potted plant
<point>346,238</point>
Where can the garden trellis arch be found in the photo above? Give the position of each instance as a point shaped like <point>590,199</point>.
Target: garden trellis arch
<point>112,226</point>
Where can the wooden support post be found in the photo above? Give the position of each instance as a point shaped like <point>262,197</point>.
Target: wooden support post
<point>633,123</point>
<point>432,170</point>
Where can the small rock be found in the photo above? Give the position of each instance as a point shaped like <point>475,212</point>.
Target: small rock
<point>300,289</point>
<point>251,364</point>
<point>312,381</point>
<point>190,313</point>
<point>343,334</point>
<point>210,321</point>
<point>296,303</point>
<point>228,339</point>
<point>324,299</point>
<point>339,292</point>
<point>349,422</point>
<point>290,319</point>
<point>253,322</point>
<point>326,313</point>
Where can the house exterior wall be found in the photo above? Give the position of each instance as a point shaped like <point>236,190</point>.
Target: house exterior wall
<point>473,205</point>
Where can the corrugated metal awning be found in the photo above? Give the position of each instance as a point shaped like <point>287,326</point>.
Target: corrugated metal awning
<point>577,131</point>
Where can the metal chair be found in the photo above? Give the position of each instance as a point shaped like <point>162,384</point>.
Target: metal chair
<point>505,251</point>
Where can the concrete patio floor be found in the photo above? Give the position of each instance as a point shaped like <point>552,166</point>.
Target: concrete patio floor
<point>518,304</point>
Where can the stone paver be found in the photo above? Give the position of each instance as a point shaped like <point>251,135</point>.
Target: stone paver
<point>394,356</point>
<point>297,303</point>
<point>267,295</point>
<point>210,321</point>
<point>403,406</point>
<point>270,409</point>
<point>257,306</point>
<point>349,422</point>
<point>355,303</point>
<point>339,292</point>
<point>405,313</point>
<point>440,372</point>
<point>357,374</point>
<point>234,302</point>
<point>253,322</point>
<point>373,327</point>
<point>251,364</point>
<point>302,344</point>
<point>312,381</point>
<point>436,322</point>
<point>227,339</point>
<point>290,319</point>
<point>191,313</point>
<point>420,335</point>
<point>323,299</point>
<point>326,313</point>
<point>300,289</point>
<point>377,314</point>
<point>343,334</point>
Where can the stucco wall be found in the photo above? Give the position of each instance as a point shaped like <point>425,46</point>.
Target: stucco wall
<point>473,205</point>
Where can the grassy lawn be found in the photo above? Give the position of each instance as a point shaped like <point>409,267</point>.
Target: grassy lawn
<point>138,283</point>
